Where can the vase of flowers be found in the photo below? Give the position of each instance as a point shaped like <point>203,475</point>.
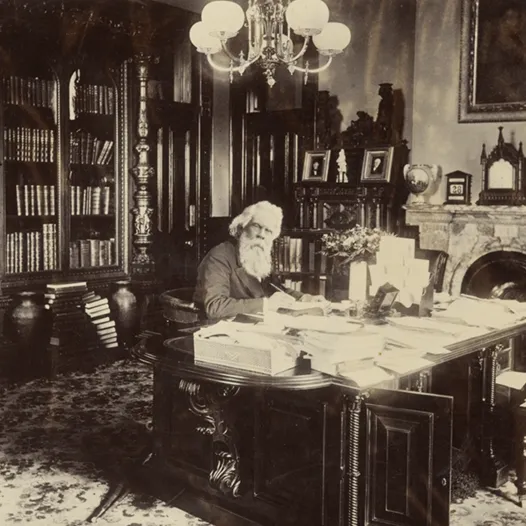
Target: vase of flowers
<point>351,250</point>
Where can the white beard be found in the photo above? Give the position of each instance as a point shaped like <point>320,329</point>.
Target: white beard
<point>255,257</point>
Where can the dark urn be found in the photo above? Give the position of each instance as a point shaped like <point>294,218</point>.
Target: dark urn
<point>26,327</point>
<point>125,309</point>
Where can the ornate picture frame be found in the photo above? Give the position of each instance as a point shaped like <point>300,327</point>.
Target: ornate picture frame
<point>377,165</point>
<point>316,165</point>
<point>492,61</point>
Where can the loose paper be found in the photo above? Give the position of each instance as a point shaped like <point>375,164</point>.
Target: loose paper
<point>367,377</point>
<point>513,379</point>
<point>403,366</point>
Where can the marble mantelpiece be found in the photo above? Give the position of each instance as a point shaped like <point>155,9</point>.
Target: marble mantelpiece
<point>467,233</point>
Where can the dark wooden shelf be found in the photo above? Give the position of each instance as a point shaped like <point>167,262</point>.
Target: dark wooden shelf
<point>41,217</point>
<point>299,274</point>
<point>88,115</point>
<point>104,167</point>
<point>31,163</point>
<point>305,231</point>
<point>34,274</point>
<point>92,216</point>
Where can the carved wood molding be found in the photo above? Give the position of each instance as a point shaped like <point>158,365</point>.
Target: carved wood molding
<point>143,172</point>
<point>207,401</point>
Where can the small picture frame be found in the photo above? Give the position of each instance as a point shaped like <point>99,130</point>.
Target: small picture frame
<point>458,188</point>
<point>377,165</point>
<point>316,165</point>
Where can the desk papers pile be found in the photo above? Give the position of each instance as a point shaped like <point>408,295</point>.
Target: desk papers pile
<point>336,353</point>
<point>479,312</point>
<point>231,344</point>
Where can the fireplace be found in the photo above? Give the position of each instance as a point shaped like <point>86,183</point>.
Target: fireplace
<point>486,245</point>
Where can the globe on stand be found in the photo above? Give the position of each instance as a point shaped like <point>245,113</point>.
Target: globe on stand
<point>422,180</point>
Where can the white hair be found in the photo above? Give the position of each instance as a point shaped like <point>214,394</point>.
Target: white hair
<point>273,217</point>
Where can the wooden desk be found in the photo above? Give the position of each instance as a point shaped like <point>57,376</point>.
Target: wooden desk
<point>307,448</point>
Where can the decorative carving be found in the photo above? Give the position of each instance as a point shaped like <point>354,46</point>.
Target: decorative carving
<point>328,121</point>
<point>143,172</point>
<point>207,401</point>
<point>360,132</point>
<point>353,459</point>
<point>384,118</point>
<point>502,174</point>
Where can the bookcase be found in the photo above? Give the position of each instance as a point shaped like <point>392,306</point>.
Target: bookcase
<point>65,198</point>
<point>105,147</point>
<point>30,171</point>
<point>92,184</point>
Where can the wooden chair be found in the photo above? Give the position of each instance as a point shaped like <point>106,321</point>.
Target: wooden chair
<point>179,309</point>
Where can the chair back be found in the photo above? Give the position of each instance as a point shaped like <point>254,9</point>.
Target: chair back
<point>179,307</point>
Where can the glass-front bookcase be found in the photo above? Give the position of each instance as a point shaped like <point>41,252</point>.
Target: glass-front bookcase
<point>64,176</point>
<point>91,178</point>
<point>31,173</point>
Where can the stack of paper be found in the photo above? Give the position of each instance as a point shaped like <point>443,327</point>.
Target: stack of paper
<point>492,314</point>
<point>367,377</point>
<point>330,353</point>
<point>396,264</point>
<point>331,324</point>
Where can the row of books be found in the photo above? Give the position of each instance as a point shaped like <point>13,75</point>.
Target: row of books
<point>35,199</point>
<point>91,200</point>
<point>30,91</point>
<point>32,251</point>
<point>98,311</point>
<point>92,98</point>
<point>85,148</point>
<point>82,325</point>
<point>288,255</point>
<point>92,253</point>
<point>36,145</point>
<point>316,285</point>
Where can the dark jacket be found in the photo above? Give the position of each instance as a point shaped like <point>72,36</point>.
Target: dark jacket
<point>224,288</point>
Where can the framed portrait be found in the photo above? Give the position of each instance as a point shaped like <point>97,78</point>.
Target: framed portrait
<point>316,165</point>
<point>493,61</point>
<point>377,165</point>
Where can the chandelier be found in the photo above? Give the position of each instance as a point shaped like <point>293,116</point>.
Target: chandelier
<point>269,24</point>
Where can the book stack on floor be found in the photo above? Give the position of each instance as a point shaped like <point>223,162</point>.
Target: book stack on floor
<point>98,311</point>
<point>75,342</point>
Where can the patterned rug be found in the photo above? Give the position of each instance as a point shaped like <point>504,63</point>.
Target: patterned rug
<point>62,442</point>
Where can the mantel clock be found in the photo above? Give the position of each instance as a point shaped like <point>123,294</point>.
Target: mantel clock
<point>502,174</point>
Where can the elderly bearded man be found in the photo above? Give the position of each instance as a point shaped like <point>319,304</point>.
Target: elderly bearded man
<point>235,277</point>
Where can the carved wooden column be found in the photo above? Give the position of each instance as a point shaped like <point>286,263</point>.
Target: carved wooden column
<point>353,458</point>
<point>143,173</point>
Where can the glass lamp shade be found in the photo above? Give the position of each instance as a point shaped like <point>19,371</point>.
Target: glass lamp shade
<point>223,19</point>
<point>334,38</point>
<point>307,17</point>
<point>201,39</point>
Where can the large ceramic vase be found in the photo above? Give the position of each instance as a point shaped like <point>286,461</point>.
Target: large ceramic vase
<point>125,310</point>
<point>26,318</point>
<point>26,327</point>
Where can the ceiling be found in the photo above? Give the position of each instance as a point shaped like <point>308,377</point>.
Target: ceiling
<point>190,5</point>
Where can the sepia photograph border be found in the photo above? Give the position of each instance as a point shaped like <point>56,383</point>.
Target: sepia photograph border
<point>310,157</point>
<point>370,153</point>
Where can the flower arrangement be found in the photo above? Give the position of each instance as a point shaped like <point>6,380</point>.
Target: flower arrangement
<point>355,244</point>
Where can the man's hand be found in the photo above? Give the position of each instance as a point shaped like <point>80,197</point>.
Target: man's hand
<point>310,298</point>
<point>278,300</point>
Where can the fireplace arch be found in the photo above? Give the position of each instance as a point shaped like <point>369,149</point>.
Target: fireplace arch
<point>475,238</point>
<point>493,269</point>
